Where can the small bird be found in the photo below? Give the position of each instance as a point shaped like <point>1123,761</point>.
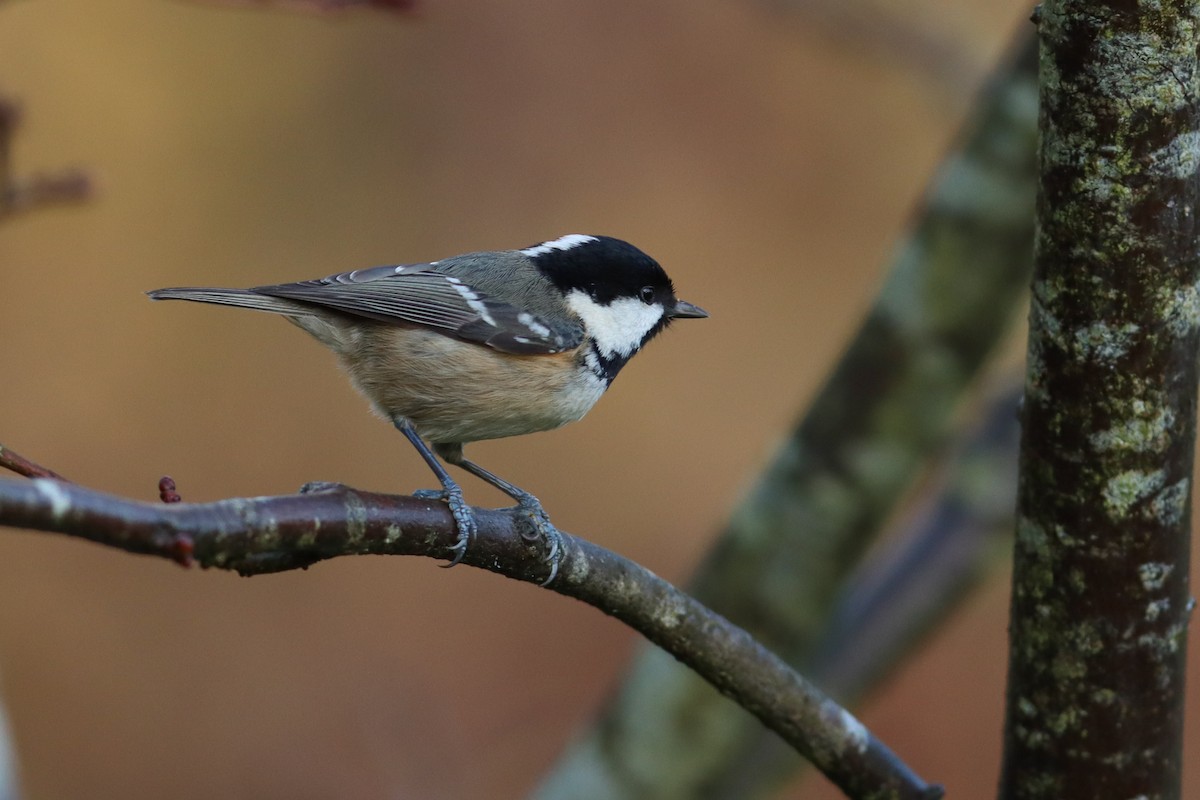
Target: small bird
<point>480,346</point>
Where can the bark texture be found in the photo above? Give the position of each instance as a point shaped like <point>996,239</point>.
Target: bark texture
<point>1100,586</point>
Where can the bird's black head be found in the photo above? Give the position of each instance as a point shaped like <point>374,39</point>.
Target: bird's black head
<point>621,294</point>
<point>604,267</point>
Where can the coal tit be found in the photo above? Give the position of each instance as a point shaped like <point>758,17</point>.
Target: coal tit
<point>482,345</point>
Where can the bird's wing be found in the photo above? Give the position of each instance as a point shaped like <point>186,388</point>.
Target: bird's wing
<point>416,294</point>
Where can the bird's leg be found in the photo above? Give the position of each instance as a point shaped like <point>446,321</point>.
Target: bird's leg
<point>450,492</point>
<point>528,506</point>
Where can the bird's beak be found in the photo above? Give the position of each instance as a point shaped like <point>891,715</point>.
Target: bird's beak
<point>684,309</point>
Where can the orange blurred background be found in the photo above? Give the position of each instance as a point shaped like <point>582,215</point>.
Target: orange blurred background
<point>767,153</point>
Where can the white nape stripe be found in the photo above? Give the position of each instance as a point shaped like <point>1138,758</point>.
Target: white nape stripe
<point>561,243</point>
<point>619,327</point>
<point>477,305</point>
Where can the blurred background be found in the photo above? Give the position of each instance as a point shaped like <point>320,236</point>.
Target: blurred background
<point>767,153</point>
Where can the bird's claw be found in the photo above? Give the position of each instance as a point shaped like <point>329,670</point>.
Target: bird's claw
<point>538,527</point>
<point>541,529</point>
<point>464,518</point>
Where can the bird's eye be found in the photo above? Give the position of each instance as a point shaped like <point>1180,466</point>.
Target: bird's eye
<point>647,294</point>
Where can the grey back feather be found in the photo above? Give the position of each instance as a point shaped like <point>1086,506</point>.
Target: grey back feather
<point>426,295</point>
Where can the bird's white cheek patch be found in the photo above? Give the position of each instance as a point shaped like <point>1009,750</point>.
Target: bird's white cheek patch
<point>619,327</point>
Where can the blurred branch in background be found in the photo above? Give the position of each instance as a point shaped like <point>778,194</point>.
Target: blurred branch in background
<point>24,194</point>
<point>891,33</point>
<point>273,534</point>
<point>317,6</point>
<point>941,551</point>
<point>17,195</point>
<point>783,561</point>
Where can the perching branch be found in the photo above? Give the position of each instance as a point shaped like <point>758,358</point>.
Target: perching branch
<point>272,534</point>
<point>1100,576</point>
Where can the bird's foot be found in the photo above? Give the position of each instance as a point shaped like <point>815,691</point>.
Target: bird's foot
<point>538,528</point>
<point>464,518</point>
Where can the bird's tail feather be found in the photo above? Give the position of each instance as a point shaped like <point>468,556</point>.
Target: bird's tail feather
<point>241,298</point>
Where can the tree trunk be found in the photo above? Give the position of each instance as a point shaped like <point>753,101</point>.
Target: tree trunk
<point>1100,586</point>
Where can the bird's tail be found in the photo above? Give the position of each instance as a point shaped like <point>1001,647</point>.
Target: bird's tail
<point>241,298</point>
<point>321,323</point>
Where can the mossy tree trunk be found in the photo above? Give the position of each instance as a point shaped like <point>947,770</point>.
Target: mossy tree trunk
<point>1100,586</point>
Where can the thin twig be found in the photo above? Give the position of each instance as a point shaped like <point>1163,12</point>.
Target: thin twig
<point>14,461</point>
<point>272,534</point>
